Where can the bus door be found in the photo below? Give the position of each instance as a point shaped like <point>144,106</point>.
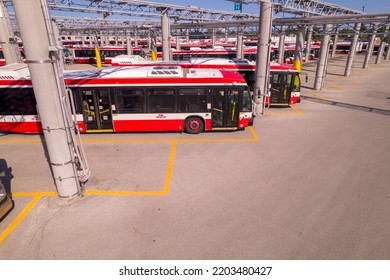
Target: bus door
<point>281,88</point>
<point>225,108</point>
<point>97,110</point>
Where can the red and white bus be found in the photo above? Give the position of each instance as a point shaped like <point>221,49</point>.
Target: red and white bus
<point>87,54</point>
<point>121,99</point>
<point>220,52</point>
<point>284,78</point>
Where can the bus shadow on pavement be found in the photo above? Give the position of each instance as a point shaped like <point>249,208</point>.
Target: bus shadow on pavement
<point>347,105</point>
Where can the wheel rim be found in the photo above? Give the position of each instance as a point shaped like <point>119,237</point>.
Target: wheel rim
<point>194,125</point>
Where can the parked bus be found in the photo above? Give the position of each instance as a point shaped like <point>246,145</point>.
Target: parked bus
<point>284,78</point>
<point>219,52</point>
<point>121,99</point>
<point>87,54</point>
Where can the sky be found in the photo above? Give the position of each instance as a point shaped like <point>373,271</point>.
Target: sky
<point>370,6</point>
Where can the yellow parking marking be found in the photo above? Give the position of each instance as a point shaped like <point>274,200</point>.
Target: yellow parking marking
<point>21,140</point>
<point>20,218</point>
<point>255,137</point>
<point>164,192</point>
<point>170,169</point>
<point>296,112</point>
<point>124,193</point>
<point>299,112</point>
<point>279,113</point>
<point>146,140</point>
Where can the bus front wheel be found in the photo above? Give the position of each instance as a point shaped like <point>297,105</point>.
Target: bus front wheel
<point>194,125</point>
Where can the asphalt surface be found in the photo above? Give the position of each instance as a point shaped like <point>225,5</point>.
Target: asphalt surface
<point>310,181</point>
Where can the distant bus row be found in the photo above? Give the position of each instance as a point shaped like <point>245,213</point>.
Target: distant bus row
<point>86,54</point>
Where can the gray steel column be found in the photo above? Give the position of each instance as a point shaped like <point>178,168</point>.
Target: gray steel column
<point>308,43</point>
<point>136,39</point>
<point>42,63</point>
<point>282,38</point>
<point>335,38</point>
<point>178,47</point>
<point>7,39</point>
<point>352,52</point>
<point>323,58</point>
<point>165,36</point>
<point>213,39</point>
<point>382,46</point>
<point>370,49</point>
<point>300,41</point>
<point>226,34</point>
<point>387,56</point>
<point>240,45</point>
<point>129,46</point>
<point>263,57</point>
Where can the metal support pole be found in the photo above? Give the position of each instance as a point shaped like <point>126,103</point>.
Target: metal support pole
<point>387,56</point>
<point>352,52</point>
<point>282,38</point>
<point>226,34</point>
<point>240,44</point>
<point>213,38</point>
<point>308,43</point>
<point>129,46</point>
<point>165,36</point>
<point>263,54</point>
<point>7,39</point>
<point>382,46</point>
<point>135,39</point>
<point>334,46</point>
<point>299,48</point>
<point>187,36</point>
<point>40,55</point>
<point>370,49</point>
<point>323,58</point>
<point>178,47</point>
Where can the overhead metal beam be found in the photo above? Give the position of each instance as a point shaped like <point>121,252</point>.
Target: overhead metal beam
<point>304,7</point>
<point>140,8</point>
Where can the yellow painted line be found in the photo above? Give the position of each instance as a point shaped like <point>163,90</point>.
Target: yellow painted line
<point>299,112</point>
<point>20,140</point>
<point>170,168</point>
<point>19,218</point>
<point>317,94</point>
<point>255,137</point>
<point>124,193</point>
<point>126,140</point>
<point>147,140</point>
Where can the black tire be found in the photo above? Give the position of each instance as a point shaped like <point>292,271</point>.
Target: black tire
<point>194,125</point>
<point>91,60</point>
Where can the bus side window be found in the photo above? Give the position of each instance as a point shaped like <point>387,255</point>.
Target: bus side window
<point>130,101</point>
<point>192,100</point>
<point>246,101</point>
<point>162,100</point>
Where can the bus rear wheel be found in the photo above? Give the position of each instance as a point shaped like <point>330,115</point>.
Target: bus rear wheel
<point>194,125</point>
